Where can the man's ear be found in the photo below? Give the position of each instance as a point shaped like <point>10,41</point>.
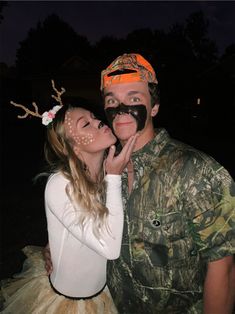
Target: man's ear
<point>154,110</point>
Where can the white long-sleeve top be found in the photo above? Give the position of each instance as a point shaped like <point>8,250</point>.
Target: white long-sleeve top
<point>79,258</point>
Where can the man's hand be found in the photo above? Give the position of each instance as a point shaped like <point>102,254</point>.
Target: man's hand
<point>47,258</point>
<point>116,164</point>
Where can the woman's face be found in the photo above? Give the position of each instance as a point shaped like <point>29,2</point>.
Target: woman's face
<point>89,134</point>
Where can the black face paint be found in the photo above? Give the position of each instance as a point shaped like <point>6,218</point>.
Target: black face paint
<point>138,112</point>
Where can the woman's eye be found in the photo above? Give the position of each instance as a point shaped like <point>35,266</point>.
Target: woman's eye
<point>86,124</point>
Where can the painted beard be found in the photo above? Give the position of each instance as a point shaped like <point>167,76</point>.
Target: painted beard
<point>138,112</point>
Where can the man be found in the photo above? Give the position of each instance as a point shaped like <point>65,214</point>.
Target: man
<point>178,238</point>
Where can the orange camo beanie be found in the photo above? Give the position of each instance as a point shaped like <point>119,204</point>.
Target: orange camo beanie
<point>128,68</point>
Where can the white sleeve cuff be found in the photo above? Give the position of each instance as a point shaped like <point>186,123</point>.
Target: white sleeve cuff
<point>113,178</point>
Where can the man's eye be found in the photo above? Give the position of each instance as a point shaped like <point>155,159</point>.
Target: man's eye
<point>110,101</point>
<point>135,99</point>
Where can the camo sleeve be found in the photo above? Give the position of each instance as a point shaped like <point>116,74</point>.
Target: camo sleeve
<point>213,220</point>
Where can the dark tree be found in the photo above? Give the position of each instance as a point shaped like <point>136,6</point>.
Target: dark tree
<point>229,51</point>
<point>2,5</point>
<point>48,46</point>
<point>106,50</point>
<point>141,41</point>
<point>196,30</point>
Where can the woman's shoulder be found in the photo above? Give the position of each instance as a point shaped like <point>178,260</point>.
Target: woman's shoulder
<point>56,181</point>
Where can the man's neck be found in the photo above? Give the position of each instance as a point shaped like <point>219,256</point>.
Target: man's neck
<point>143,139</point>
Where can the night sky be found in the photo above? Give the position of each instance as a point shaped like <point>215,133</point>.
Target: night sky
<point>95,19</point>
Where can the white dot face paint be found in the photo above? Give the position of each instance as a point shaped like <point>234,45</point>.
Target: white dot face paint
<point>85,139</point>
<point>68,122</point>
<point>88,134</point>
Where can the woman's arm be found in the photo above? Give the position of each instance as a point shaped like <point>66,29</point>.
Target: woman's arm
<point>58,205</point>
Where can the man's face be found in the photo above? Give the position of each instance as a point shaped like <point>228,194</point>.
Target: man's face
<point>128,108</point>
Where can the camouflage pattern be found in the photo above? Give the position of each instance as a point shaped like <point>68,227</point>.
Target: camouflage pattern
<point>179,216</point>
<point>130,67</point>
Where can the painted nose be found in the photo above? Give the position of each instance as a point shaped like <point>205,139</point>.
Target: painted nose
<point>100,125</point>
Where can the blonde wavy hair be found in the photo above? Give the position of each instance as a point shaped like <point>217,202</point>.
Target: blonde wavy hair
<point>81,190</point>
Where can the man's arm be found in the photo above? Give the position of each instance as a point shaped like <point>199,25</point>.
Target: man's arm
<point>218,287</point>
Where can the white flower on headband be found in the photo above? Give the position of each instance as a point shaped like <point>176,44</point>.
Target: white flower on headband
<point>48,116</point>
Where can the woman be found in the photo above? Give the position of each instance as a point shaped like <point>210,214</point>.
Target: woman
<point>83,232</point>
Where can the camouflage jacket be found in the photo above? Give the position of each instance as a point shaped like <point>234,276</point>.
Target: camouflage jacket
<point>179,216</point>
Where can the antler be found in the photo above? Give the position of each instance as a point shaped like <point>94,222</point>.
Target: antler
<point>59,93</point>
<point>35,113</point>
<point>27,111</point>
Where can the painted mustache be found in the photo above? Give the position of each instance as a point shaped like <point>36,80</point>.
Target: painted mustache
<point>138,112</point>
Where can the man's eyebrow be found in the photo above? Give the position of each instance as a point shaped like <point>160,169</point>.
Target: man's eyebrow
<point>133,92</point>
<point>108,94</point>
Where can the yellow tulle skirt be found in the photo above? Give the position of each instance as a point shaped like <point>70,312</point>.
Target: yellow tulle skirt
<point>29,292</point>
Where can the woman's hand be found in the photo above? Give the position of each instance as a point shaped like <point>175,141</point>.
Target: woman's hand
<point>116,164</point>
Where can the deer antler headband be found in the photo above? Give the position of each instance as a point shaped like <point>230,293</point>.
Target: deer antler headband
<point>48,116</point>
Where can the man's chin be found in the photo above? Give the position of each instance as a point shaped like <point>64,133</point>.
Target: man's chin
<point>124,136</point>
<point>123,133</point>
